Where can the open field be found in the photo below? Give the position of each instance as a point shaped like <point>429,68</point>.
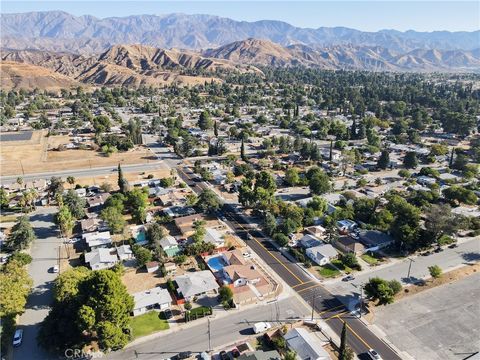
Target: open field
<point>112,178</point>
<point>31,156</point>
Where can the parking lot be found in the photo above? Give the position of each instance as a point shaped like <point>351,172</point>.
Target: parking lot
<point>437,323</point>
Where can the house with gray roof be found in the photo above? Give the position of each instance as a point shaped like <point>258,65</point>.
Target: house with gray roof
<point>101,258</point>
<point>156,298</point>
<point>196,284</point>
<point>322,254</point>
<point>306,345</point>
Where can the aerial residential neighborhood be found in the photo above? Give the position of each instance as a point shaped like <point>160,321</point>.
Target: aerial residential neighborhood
<point>277,192</point>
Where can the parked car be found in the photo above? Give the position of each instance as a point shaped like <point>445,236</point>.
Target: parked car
<point>204,356</point>
<point>438,249</point>
<point>55,269</point>
<point>18,337</point>
<point>168,314</point>
<point>235,352</point>
<point>261,327</point>
<point>247,255</point>
<point>374,355</point>
<point>224,356</point>
<point>184,354</point>
<point>348,278</point>
<point>453,246</point>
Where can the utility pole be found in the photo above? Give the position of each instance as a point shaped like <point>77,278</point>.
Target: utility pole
<point>410,267</point>
<point>361,300</point>
<point>209,337</point>
<point>313,302</point>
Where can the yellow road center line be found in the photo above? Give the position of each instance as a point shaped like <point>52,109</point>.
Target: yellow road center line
<point>308,288</point>
<point>354,333</point>
<point>331,309</point>
<point>271,254</point>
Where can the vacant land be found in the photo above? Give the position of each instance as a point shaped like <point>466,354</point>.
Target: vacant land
<point>112,178</point>
<point>32,156</point>
<point>147,323</point>
<point>436,323</point>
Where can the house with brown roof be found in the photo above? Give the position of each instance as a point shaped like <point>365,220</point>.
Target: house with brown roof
<point>349,245</point>
<point>241,275</point>
<point>185,224</point>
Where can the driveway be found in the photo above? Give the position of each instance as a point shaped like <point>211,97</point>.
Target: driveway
<point>44,252</point>
<point>466,252</point>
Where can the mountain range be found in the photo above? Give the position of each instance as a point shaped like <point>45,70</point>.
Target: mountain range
<point>60,31</point>
<point>135,65</point>
<point>56,49</point>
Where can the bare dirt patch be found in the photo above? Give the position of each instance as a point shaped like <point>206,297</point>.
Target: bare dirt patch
<point>33,156</point>
<point>112,178</point>
<point>446,278</point>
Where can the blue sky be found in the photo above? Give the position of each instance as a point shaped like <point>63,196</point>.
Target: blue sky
<point>363,15</point>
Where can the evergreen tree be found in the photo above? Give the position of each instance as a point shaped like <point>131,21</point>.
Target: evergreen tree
<point>353,130</point>
<point>215,129</point>
<point>410,161</point>
<point>121,181</point>
<point>330,156</point>
<point>384,159</point>
<point>343,342</point>
<point>242,151</point>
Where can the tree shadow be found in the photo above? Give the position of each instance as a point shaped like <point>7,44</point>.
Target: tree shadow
<point>413,280</point>
<point>471,256</point>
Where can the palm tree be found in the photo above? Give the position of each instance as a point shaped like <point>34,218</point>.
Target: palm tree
<point>33,196</point>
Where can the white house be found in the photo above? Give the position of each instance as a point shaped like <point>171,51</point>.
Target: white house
<point>214,237</point>
<point>125,252</point>
<point>321,254</point>
<point>97,239</point>
<point>156,298</point>
<point>101,258</point>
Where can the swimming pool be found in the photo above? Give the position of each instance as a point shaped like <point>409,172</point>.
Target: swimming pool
<point>216,263</point>
<point>141,237</point>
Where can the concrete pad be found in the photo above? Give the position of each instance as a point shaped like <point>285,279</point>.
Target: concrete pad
<point>441,323</point>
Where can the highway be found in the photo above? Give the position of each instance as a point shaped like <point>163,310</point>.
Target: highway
<point>326,305</point>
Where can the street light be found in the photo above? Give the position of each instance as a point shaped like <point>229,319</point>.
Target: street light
<point>409,268</point>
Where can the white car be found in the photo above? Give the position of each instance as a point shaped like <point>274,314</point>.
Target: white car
<point>55,269</point>
<point>247,255</point>
<point>261,327</point>
<point>374,355</point>
<point>18,337</point>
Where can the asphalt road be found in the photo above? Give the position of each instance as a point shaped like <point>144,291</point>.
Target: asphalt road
<point>90,172</point>
<point>44,252</point>
<point>328,306</point>
<point>235,327</point>
<point>466,252</point>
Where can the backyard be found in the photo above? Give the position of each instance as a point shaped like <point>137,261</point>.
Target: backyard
<point>147,323</point>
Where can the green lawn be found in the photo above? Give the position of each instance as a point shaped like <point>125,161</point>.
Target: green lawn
<point>147,323</point>
<point>328,271</point>
<point>370,260</point>
<point>341,266</point>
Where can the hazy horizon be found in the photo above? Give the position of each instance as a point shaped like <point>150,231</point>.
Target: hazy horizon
<point>371,16</point>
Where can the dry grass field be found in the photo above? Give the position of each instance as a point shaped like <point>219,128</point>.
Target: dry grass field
<point>113,178</point>
<point>32,156</point>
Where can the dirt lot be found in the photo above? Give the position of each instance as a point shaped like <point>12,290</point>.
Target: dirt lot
<point>113,178</point>
<point>33,156</point>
